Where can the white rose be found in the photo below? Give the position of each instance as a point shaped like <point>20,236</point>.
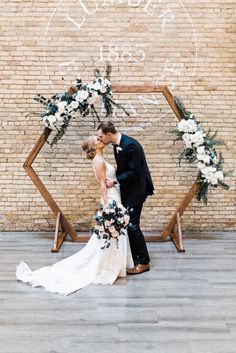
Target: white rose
<point>84,94</point>
<point>115,234</point>
<point>59,117</point>
<point>212,180</point>
<point>201,165</point>
<point>74,104</point>
<point>203,157</point>
<point>126,219</point>
<point>198,138</point>
<point>61,107</point>
<point>201,150</point>
<point>187,139</point>
<point>94,98</point>
<point>112,229</point>
<point>46,123</point>
<point>107,223</point>
<point>103,89</point>
<point>219,175</point>
<point>52,119</point>
<point>81,95</point>
<point>120,219</point>
<point>211,169</point>
<point>62,104</point>
<point>96,85</point>
<point>187,125</point>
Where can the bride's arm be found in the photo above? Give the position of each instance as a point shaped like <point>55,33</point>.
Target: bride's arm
<point>100,170</point>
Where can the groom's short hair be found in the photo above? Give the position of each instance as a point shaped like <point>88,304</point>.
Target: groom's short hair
<point>107,126</point>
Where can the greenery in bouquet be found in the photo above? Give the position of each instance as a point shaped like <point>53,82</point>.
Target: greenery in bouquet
<point>80,98</point>
<point>200,147</point>
<point>111,223</point>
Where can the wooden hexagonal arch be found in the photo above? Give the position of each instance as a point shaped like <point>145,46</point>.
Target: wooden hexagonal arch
<point>63,226</point>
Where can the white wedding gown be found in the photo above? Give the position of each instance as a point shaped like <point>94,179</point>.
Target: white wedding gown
<point>89,265</point>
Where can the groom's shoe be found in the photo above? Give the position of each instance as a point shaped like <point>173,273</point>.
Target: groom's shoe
<point>136,270</point>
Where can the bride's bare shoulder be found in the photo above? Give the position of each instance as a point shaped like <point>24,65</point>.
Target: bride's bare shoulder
<point>98,161</point>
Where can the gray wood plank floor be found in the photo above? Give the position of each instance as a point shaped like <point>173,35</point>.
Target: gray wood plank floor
<point>185,304</point>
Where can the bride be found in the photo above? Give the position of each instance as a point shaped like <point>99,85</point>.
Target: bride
<point>91,264</point>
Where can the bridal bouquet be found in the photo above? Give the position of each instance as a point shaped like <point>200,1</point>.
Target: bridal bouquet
<point>111,223</point>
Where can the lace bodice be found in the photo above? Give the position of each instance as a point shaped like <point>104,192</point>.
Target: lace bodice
<point>114,192</point>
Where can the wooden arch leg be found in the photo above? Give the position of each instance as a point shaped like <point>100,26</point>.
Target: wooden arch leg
<point>60,234</point>
<point>176,237</point>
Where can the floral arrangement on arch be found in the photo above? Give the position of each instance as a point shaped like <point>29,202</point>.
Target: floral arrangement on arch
<point>80,98</point>
<point>199,146</point>
<point>111,223</point>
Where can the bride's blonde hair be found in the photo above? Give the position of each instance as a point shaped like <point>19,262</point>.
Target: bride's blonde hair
<point>89,148</point>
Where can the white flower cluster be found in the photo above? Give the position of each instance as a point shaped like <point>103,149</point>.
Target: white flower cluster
<point>192,135</point>
<point>100,84</point>
<point>189,125</point>
<point>210,173</point>
<point>88,93</point>
<point>194,138</point>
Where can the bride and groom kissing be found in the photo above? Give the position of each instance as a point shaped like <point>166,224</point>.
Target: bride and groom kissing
<point>130,184</point>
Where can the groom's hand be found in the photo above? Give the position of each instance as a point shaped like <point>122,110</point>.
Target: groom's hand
<point>110,182</point>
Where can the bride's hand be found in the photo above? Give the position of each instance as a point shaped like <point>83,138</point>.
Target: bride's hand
<point>106,206</point>
<point>110,182</point>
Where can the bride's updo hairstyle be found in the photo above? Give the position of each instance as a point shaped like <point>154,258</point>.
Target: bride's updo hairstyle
<point>89,147</point>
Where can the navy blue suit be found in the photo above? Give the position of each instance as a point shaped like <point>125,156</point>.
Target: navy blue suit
<point>135,185</point>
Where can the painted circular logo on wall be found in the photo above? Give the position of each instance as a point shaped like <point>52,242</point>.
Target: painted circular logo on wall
<point>147,42</point>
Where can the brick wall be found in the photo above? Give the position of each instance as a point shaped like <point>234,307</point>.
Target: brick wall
<point>185,45</point>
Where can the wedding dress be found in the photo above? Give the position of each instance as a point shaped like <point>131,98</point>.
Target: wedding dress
<point>89,265</point>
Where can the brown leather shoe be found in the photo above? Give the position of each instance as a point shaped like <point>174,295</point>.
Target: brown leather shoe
<point>136,270</point>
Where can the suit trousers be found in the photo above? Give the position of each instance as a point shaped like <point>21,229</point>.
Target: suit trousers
<point>137,242</point>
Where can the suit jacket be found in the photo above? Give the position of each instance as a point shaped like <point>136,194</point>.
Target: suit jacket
<point>132,172</point>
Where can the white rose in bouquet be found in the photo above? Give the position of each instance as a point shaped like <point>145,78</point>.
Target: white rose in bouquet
<point>113,232</point>
<point>107,223</point>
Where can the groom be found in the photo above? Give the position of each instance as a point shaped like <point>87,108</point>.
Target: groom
<point>135,185</point>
